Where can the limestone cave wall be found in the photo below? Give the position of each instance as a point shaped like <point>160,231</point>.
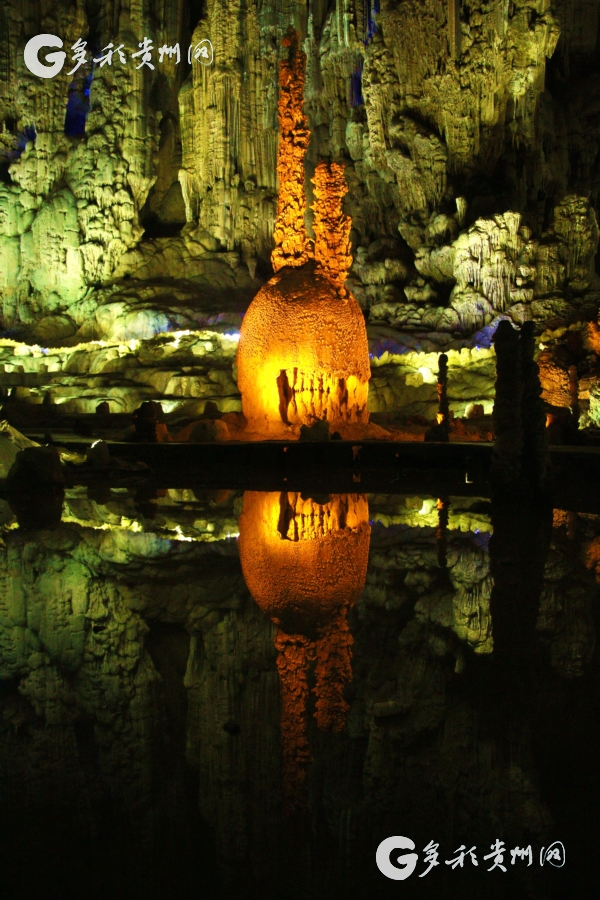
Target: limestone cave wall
<point>470,134</point>
<point>138,200</point>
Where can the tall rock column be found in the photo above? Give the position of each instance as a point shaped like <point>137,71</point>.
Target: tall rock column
<point>506,455</point>
<point>536,455</point>
<point>331,226</point>
<point>521,448</point>
<point>292,245</point>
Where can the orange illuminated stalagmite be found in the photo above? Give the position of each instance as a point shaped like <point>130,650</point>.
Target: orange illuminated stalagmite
<point>331,226</point>
<point>305,564</point>
<point>303,356</point>
<point>303,353</point>
<point>292,246</point>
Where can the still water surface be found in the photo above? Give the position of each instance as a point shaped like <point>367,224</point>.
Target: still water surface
<point>214,694</point>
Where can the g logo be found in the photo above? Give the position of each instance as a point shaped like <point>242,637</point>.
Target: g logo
<point>408,861</point>
<point>33,47</point>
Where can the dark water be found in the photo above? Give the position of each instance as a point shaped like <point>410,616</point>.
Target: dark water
<point>408,665</point>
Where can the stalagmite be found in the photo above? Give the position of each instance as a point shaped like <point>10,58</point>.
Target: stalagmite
<point>506,456</point>
<point>303,354</point>
<point>536,457</point>
<point>292,246</point>
<point>441,430</point>
<point>521,447</point>
<point>331,226</point>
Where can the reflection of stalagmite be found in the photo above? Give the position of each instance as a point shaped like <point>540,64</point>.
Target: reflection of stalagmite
<point>293,657</point>
<point>332,672</point>
<point>305,564</point>
<point>303,353</point>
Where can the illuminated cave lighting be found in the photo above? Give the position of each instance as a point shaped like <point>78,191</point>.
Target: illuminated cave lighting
<point>303,354</point>
<point>134,525</point>
<point>292,245</point>
<point>428,376</point>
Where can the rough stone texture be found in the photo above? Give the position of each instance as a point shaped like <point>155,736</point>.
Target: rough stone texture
<point>303,355</point>
<point>11,442</point>
<point>331,226</point>
<point>292,247</point>
<point>72,202</point>
<point>468,139</point>
<point>183,370</point>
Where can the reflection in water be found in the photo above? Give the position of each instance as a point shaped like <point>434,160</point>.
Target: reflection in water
<point>145,698</point>
<point>39,511</point>
<point>305,564</point>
